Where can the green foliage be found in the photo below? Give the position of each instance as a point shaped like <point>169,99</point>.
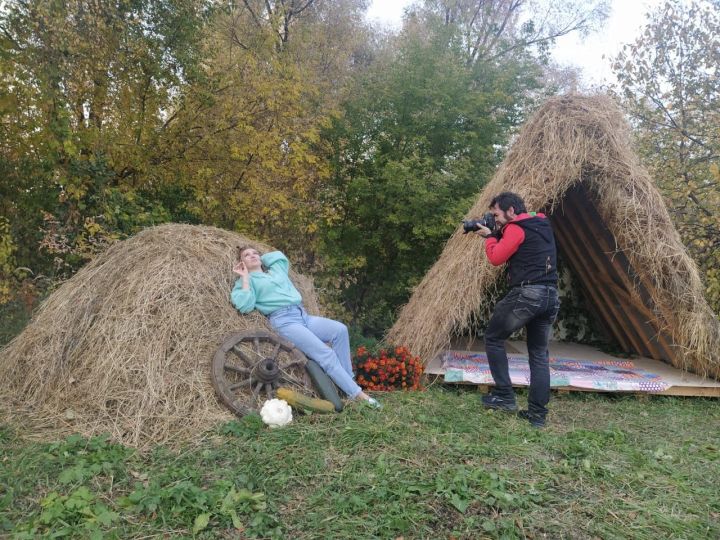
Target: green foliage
<point>79,459</point>
<point>198,507</point>
<point>576,322</point>
<point>92,488</point>
<point>357,340</point>
<point>418,139</point>
<point>506,29</point>
<point>74,509</point>
<point>73,237</point>
<point>77,514</point>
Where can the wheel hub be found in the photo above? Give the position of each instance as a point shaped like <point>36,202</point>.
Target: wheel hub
<point>267,371</point>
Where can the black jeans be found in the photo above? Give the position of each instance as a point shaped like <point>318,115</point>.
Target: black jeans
<point>535,307</point>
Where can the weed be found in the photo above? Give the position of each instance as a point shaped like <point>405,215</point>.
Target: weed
<point>77,514</point>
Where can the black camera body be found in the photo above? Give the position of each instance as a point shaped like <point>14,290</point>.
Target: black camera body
<point>488,220</point>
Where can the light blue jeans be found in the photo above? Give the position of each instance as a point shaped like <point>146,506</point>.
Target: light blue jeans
<point>309,334</point>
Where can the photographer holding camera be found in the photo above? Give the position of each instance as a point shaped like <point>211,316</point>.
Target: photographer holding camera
<point>526,243</point>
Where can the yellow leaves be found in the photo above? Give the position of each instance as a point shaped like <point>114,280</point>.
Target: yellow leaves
<point>74,192</point>
<point>93,239</point>
<point>92,227</point>
<point>7,260</point>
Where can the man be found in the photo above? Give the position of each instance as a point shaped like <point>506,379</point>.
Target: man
<point>526,243</point>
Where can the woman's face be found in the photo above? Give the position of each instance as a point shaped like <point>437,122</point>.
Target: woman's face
<point>251,258</point>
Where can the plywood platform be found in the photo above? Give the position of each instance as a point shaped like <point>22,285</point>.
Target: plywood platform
<point>681,383</point>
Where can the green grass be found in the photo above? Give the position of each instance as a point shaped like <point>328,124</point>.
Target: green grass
<point>429,465</point>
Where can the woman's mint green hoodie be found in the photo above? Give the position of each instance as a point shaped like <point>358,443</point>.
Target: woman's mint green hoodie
<point>269,290</point>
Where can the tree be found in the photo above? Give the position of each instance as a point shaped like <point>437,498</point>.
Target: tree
<point>670,85</point>
<point>420,134</point>
<point>119,115</point>
<point>424,126</point>
<point>487,31</point>
<point>83,91</point>
<point>246,138</point>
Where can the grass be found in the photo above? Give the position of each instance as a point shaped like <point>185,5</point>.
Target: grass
<point>429,465</point>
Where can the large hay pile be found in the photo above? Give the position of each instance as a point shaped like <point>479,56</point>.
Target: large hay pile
<point>569,140</point>
<point>126,345</point>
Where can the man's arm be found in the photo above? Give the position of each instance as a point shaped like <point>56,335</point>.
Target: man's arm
<point>499,251</point>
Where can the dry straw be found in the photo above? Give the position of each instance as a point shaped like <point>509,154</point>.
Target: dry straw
<point>571,140</point>
<point>125,346</point>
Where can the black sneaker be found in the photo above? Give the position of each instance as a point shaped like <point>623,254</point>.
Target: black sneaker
<point>535,420</point>
<point>491,401</point>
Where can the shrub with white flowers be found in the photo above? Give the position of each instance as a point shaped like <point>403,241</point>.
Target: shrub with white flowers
<point>276,413</point>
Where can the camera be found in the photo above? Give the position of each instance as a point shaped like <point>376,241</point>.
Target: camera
<point>488,220</point>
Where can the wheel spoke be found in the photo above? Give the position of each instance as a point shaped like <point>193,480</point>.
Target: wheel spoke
<point>246,382</point>
<point>268,390</point>
<point>242,355</point>
<point>237,369</point>
<point>256,341</point>
<point>276,350</point>
<point>256,390</point>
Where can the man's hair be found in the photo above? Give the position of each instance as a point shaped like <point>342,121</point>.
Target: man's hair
<point>506,199</point>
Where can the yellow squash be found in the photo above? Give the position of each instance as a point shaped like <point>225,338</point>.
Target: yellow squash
<point>300,401</point>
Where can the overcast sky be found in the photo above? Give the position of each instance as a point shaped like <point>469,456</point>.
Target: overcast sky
<point>591,55</point>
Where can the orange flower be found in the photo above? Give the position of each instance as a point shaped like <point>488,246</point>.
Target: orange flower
<point>390,369</point>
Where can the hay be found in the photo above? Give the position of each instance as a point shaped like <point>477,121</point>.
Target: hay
<point>571,139</point>
<point>125,346</point>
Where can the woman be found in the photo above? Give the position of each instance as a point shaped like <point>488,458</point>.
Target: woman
<point>264,285</point>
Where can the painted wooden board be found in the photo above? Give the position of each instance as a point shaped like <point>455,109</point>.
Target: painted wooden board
<point>681,383</point>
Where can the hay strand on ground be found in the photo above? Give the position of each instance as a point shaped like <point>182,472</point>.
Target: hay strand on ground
<point>571,140</point>
<point>125,346</point>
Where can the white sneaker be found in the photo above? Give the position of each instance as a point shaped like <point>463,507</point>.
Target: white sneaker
<point>374,403</point>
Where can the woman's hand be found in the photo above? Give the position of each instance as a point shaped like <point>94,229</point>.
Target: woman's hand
<point>241,270</point>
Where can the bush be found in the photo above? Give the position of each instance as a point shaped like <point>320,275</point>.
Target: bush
<point>388,369</point>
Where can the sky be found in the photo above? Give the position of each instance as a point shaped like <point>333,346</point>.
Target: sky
<point>592,54</point>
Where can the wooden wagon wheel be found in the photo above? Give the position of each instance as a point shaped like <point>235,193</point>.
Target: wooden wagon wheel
<point>249,366</point>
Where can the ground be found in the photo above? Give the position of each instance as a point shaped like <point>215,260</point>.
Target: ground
<point>431,464</point>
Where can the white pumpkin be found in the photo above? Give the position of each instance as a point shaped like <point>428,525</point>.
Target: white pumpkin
<point>276,413</point>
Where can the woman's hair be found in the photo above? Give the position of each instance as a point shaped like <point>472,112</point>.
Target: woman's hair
<point>241,249</point>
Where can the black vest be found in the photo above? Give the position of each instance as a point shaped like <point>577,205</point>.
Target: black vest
<point>535,261</point>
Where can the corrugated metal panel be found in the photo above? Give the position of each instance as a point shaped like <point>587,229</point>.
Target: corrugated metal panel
<point>619,293</point>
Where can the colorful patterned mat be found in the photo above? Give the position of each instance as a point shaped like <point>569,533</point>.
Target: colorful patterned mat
<point>608,375</point>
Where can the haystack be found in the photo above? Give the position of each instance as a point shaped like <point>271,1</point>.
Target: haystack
<point>125,346</point>
<point>574,159</point>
